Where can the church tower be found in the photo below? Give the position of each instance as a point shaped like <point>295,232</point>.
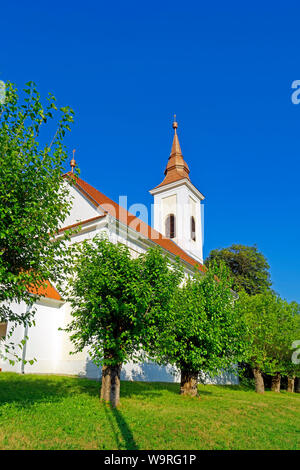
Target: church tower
<point>177,204</point>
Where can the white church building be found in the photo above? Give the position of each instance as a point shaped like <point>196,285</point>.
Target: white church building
<point>177,229</point>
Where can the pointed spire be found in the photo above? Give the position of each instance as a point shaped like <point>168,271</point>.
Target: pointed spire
<point>176,150</point>
<point>176,169</point>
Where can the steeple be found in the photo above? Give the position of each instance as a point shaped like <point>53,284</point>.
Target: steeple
<point>176,168</point>
<point>177,204</point>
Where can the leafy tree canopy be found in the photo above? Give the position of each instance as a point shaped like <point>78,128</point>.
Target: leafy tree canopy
<point>202,331</point>
<point>273,325</point>
<point>248,267</point>
<point>113,297</point>
<point>33,202</point>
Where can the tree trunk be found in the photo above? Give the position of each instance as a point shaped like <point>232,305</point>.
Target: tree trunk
<point>189,382</point>
<point>297,385</point>
<point>259,380</point>
<point>291,384</point>
<point>275,387</point>
<point>110,388</point>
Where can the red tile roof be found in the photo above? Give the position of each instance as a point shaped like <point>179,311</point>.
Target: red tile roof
<point>133,222</point>
<point>83,222</point>
<point>46,291</point>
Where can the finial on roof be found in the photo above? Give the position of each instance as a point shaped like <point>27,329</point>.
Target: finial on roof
<point>175,123</point>
<point>73,162</point>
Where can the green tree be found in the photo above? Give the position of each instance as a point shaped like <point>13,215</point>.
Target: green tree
<point>248,267</point>
<point>290,335</point>
<point>271,329</point>
<point>201,331</point>
<point>113,298</point>
<point>33,202</point>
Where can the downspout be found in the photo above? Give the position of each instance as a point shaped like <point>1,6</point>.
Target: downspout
<point>25,344</point>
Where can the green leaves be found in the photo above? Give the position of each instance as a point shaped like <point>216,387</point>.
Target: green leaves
<point>272,324</point>
<point>114,298</point>
<point>33,202</point>
<point>248,267</point>
<point>200,330</point>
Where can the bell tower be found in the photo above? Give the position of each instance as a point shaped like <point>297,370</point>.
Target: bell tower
<point>177,204</point>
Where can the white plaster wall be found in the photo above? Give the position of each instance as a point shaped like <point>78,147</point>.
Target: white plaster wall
<point>192,207</point>
<point>43,344</point>
<point>183,209</point>
<point>82,208</point>
<point>44,340</point>
<point>16,338</point>
<point>168,206</point>
<point>52,347</point>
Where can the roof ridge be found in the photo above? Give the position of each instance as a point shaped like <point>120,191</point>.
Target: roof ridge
<point>141,227</point>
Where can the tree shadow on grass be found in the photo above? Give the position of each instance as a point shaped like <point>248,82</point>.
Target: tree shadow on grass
<point>23,391</point>
<point>139,389</point>
<point>152,389</point>
<point>133,389</point>
<point>147,389</point>
<point>118,422</point>
<point>26,390</point>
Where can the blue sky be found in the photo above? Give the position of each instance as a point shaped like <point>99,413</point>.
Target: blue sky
<point>225,69</point>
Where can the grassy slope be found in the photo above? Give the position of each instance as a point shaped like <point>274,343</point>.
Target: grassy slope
<point>55,412</point>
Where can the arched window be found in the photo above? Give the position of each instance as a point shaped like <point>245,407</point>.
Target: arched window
<point>170,226</point>
<point>193,229</point>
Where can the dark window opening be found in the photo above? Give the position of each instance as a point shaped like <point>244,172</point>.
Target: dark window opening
<point>193,229</point>
<point>170,226</point>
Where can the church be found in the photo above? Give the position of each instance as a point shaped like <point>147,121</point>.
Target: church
<point>177,229</point>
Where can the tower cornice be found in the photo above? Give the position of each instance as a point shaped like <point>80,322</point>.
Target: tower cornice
<point>176,184</point>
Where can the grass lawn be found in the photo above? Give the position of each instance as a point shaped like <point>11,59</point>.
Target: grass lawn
<point>57,412</point>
